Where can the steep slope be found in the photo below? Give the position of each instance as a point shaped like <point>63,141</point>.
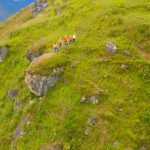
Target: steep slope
<point>120,82</point>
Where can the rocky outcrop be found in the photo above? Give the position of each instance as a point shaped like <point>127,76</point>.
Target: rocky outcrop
<point>39,84</point>
<point>3,53</point>
<point>33,55</point>
<point>111,48</point>
<point>39,6</point>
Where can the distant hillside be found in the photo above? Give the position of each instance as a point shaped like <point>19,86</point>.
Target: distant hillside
<point>9,7</point>
<point>94,94</point>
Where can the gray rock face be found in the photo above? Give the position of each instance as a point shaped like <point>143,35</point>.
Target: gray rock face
<point>31,56</point>
<point>39,6</point>
<point>40,84</point>
<point>3,53</point>
<point>13,93</point>
<point>52,147</point>
<point>111,48</point>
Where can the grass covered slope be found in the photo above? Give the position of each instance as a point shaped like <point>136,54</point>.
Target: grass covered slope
<point>123,114</point>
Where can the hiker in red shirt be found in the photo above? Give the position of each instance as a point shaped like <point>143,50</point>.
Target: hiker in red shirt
<point>65,40</point>
<point>68,40</point>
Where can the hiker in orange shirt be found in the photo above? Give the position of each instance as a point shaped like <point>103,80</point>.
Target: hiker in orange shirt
<point>65,40</point>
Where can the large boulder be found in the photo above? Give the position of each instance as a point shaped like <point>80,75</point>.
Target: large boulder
<point>33,55</point>
<point>3,53</point>
<point>39,84</point>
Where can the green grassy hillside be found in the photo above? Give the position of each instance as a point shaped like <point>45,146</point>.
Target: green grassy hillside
<point>123,114</point>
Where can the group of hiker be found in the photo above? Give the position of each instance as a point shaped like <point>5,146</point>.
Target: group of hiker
<point>66,41</point>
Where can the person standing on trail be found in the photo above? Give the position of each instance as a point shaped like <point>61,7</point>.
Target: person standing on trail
<point>60,42</point>
<point>70,39</point>
<point>65,40</point>
<point>55,46</point>
<point>74,37</point>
